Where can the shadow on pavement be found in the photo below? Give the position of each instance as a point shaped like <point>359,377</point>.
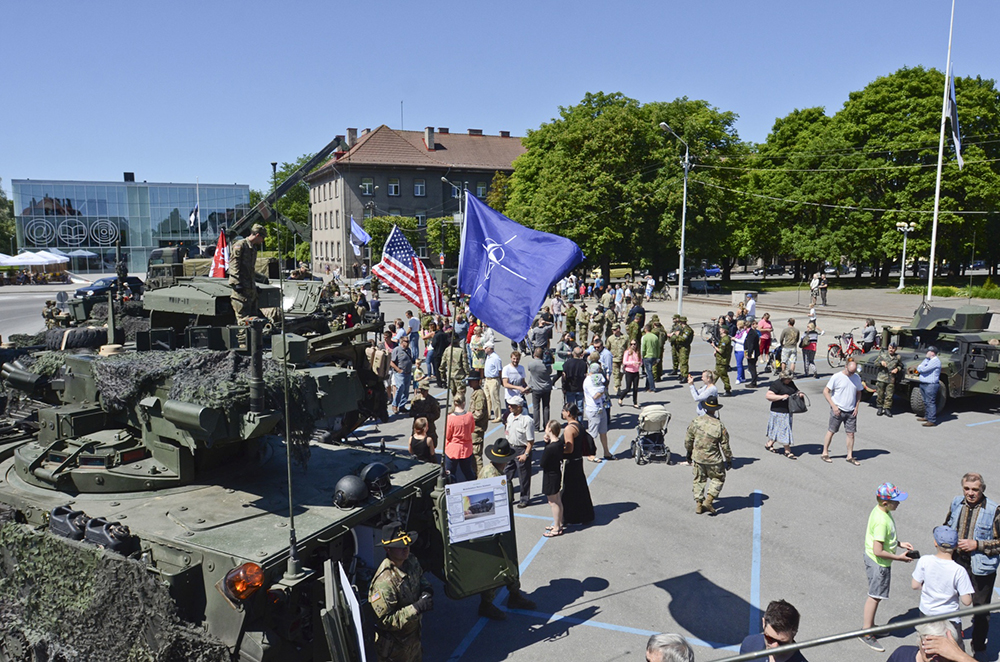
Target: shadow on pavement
<point>728,504</point>
<point>914,612</point>
<point>605,513</point>
<point>690,593</point>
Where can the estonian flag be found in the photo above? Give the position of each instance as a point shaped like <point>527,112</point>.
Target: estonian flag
<point>193,218</point>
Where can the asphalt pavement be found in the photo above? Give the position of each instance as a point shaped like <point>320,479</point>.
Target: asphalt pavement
<point>785,529</point>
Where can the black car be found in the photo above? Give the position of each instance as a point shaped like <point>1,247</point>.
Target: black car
<point>102,286</point>
<point>772,270</point>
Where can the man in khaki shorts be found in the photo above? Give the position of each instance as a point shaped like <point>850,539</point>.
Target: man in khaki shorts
<point>843,392</point>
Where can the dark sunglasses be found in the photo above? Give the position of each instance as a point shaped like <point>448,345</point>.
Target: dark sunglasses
<point>771,641</point>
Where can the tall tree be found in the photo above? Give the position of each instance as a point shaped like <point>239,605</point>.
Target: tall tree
<point>7,230</point>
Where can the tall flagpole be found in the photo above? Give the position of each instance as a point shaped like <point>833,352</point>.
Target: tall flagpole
<point>197,216</point>
<point>937,186</point>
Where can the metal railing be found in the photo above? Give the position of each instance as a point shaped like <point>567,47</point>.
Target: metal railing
<point>881,629</point>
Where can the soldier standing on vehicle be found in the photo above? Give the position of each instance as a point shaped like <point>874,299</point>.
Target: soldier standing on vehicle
<point>723,350</point>
<point>617,344</point>
<point>889,364</point>
<point>399,595</point>
<point>242,270</point>
<point>707,446</point>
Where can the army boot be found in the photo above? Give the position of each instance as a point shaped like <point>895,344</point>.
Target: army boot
<point>707,504</point>
<point>518,601</point>
<point>491,611</point>
<point>888,412</point>
<point>699,508</point>
<point>880,412</point>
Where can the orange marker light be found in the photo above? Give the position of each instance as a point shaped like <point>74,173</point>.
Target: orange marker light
<point>243,581</point>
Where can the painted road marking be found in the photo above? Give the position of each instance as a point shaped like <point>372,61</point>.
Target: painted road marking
<point>972,425</point>
<point>755,566</point>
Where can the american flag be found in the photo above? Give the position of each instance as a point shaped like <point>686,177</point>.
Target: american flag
<point>403,271</point>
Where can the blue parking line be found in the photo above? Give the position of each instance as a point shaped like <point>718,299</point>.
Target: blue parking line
<point>527,516</point>
<point>755,566</point>
<point>464,645</point>
<point>972,425</point>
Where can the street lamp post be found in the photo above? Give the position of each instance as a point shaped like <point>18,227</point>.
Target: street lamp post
<point>680,268</point>
<point>905,228</point>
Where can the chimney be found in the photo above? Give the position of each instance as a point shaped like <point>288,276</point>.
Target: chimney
<point>505,134</point>
<point>475,132</point>
<point>366,131</point>
<point>442,129</point>
<point>429,138</point>
<point>129,176</point>
<point>352,137</point>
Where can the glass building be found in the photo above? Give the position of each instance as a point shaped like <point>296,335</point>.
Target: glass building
<point>90,218</point>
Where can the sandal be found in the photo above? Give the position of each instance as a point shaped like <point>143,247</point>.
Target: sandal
<point>553,533</point>
<point>826,458</point>
<point>610,457</point>
<point>790,455</point>
<point>594,460</point>
<point>851,460</point>
<point>770,448</point>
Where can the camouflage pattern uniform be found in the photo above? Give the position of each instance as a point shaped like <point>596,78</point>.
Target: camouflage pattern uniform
<point>242,262</point>
<point>885,383</point>
<point>49,314</point>
<point>571,319</point>
<point>455,365</point>
<point>596,324</point>
<point>707,445</point>
<point>610,318</point>
<point>617,346</point>
<point>582,320</point>
<point>724,350</point>
<point>684,340</point>
<point>672,338</point>
<point>480,411</point>
<point>397,621</point>
<point>429,408</point>
<point>661,333</point>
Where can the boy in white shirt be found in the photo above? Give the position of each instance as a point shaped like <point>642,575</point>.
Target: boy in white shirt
<point>942,582</point>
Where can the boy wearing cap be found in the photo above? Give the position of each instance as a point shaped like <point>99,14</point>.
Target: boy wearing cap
<point>942,582</point>
<point>880,551</point>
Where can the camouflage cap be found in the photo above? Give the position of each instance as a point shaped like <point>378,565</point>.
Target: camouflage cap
<point>682,319</point>
<point>258,229</point>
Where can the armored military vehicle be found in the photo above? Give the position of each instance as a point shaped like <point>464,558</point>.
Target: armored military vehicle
<point>968,343</point>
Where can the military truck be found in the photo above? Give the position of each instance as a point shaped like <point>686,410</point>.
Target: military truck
<point>968,343</point>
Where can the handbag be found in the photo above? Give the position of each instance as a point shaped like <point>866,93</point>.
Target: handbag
<point>798,403</point>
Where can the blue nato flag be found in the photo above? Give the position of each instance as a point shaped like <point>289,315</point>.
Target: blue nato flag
<point>507,269</point>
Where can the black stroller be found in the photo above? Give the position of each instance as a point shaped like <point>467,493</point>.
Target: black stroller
<point>648,445</point>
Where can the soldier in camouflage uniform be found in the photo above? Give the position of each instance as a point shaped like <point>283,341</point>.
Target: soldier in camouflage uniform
<point>672,339</point>
<point>684,339</point>
<point>582,320</point>
<point>571,318</point>
<point>455,366</point>
<point>889,364</point>
<point>49,314</point>
<point>242,278</point>
<point>723,351</point>
<point>428,407</point>
<point>661,334</point>
<point>499,455</point>
<point>597,321</point>
<point>610,319</point>
<point>480,411</point>
<point>707,445</point>
<point>617,344</point>
<point>399,595</point>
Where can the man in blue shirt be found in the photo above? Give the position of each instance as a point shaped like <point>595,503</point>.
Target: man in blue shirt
<point>781,624</point>
<point>930,380</point>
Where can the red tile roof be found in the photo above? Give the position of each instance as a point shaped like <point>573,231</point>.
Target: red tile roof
<point>389,147</point>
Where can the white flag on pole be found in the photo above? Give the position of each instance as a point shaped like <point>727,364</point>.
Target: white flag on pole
<point>956,133</point>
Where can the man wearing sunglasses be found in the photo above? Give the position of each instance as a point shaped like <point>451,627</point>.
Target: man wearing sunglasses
<point>781,623</point>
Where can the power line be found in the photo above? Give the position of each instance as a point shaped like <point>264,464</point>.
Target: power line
<point>860,169</point>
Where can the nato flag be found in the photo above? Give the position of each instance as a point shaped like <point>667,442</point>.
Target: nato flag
<point>507,269</point>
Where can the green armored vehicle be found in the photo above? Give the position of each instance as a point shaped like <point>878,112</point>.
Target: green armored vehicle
<point>968,343</point>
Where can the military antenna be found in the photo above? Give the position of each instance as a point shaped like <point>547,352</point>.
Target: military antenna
<point>294,568</point>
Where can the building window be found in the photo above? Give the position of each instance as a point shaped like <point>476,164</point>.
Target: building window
<point>455,191</point>
<point>422,251</point>
<point>367,186</point>
<point>368,212</point>
<point>316,220</point>
<point>394,187</point>
<point>394,212</point>
<point>419,188</point>
<point>481,190</point>
<point>421,219</point>
<point>336,189</point>
<point>336,216</point>
<point>326,221</point>
<point>338,251</point>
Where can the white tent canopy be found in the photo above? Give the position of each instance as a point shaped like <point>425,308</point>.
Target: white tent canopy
<point>56,251</point>
<point>41,258</point>
<point>53,258</point>
<point>82,253</point>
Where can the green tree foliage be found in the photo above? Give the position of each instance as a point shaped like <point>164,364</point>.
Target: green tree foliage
<point>499,192</point>
<point>7,232</point>
<point>452,240</point>
<point>303,252</point>
<point>605,175</point>
<point>379,228</point>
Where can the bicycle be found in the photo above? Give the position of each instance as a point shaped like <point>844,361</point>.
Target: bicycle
<point>837,353</point>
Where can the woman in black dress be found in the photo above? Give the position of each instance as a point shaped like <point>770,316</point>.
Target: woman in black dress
<point>577,506</point>
<point>552,458</point>
<point>422,444</point>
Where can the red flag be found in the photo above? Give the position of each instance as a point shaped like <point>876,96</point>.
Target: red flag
<point>220,262</point>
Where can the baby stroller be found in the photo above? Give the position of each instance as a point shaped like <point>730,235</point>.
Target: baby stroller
<point>648,445</point>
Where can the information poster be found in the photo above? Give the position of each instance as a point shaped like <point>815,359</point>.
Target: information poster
<point>477,509</point>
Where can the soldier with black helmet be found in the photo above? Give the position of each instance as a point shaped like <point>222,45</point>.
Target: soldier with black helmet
<point>399,595</point>
<point>242,279</point>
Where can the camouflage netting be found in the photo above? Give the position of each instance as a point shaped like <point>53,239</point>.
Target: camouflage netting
<point>45,364</point>
<point>130,316</point>
<point>25,340</point>
<point>70,601</point>
<point>209,378</point>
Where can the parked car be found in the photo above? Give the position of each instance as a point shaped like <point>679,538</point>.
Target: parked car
<point>713,270</point>
<point>771,269</point>
<point>102,286</point>
<point>694,272</point>
<point>617,272</point>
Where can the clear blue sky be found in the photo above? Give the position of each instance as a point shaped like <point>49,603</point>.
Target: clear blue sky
<point>218,90</point>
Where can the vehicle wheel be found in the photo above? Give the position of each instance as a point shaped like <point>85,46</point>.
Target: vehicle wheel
<point>835,357</point>
<point>917,399</point>
<point>14,647</point>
